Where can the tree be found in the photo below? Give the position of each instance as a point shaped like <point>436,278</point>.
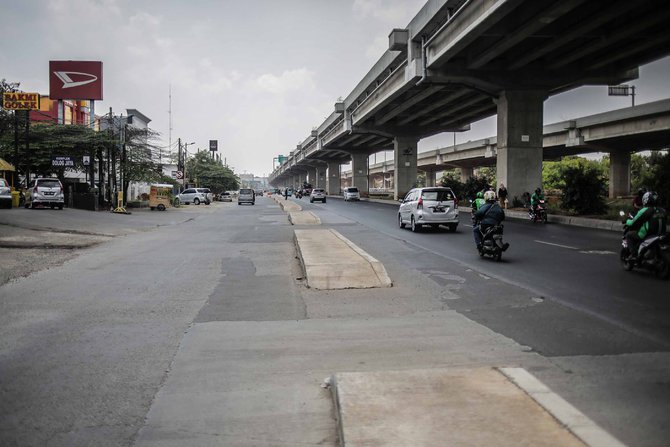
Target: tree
<point>657,175</point>
<point>584,190</point>
<point>139,160</point>
<point>207,172</point>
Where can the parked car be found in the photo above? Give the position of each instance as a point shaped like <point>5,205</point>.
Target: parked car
<point>5,194</point>
<point>225,197</point>
<point>317,194</point>
<point>208,195</point>
<point>45,192</point>
<point>246,195</point>
<point>193,195</point>
<point>432,206</point>
<point>351,193</point>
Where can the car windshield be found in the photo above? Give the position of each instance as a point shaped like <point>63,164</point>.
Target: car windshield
<point>353,190</point>
<point>245,191</point>
<point>437,195</point>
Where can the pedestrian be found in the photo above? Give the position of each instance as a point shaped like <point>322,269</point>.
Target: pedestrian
<point>285,193</point>
<point>502,195</point>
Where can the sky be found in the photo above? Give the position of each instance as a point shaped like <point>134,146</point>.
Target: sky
<point>256,75</point>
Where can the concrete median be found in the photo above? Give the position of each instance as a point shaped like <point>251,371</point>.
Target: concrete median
<point>331,261</point>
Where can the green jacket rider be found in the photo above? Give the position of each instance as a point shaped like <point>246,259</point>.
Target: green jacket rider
<point>479,201</point>
<point>650,220</point>
<point>536,197</point>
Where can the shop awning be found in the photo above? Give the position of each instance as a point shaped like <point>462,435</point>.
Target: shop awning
<point>6,166</point>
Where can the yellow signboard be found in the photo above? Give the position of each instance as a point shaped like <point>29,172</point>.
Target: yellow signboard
<point>20,101</point>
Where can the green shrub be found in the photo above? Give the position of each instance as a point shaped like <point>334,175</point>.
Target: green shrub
<point>584,191</point>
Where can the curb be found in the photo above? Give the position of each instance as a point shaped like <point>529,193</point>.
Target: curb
<point>47,245</point>
<point>570,417</point>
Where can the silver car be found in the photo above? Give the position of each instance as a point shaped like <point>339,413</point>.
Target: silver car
<point>5,194</point>
<point>351,193</point>
<point>317,194</point>
<point>246,195</point>
<point>45,192</point>
<point>432,206</point>
<point>193,195</point>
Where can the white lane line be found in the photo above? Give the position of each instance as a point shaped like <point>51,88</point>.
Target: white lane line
<point>557,245</point>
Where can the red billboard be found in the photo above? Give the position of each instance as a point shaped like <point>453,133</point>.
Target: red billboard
<point>75,80</point>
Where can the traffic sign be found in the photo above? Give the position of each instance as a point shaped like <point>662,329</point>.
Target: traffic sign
<point>179,174</point>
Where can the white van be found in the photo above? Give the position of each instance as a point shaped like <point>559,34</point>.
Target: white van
<point>351,193</point>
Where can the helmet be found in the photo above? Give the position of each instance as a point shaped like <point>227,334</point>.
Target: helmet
<point>538,190</point>
<point>641,191</point>
<point>490,196</point>
<point>649,198</point>
<point>480,195</point>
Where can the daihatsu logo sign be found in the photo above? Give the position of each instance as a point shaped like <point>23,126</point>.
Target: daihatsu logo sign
<point>75,80</point>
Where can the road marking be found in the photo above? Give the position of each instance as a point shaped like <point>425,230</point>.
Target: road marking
<point>597,252</point>
<point>557,245</point>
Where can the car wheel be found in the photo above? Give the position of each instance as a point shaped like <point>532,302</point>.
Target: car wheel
<point>311,201</point>
<point>452,227</point>
<point>52,206</point>
<point>413,225</point>
<point>196,201</point>
<point>161,207</point>
<point>60,207</point>
<point>324,200</point>
<point>401,224</point>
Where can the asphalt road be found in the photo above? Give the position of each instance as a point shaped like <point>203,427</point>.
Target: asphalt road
<point>194,326</point>
<point>575,268</point>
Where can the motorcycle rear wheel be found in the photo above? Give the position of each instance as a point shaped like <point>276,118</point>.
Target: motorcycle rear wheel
<point>664,268</point>
<point>625,263</point>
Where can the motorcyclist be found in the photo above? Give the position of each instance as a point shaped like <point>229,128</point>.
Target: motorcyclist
<point>535,198</point>
<point>649,221</point>
<point>488,215</point>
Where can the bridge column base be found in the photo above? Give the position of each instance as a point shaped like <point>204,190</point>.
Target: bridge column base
<point>359,172</point>
<point>520,136</point>
<point>405,165</point>
<point>619,174</point>
<point>320,180</point>
<point>466,174</point>
<point>333,186</point>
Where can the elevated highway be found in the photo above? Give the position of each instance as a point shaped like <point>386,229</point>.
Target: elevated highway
<point>459,61</point>
<point>618,132</point>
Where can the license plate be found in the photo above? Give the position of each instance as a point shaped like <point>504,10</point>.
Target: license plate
<point>439,209</point>
<point>48,193</point>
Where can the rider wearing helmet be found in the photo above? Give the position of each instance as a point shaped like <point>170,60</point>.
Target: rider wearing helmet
<point>637,200</point>
<point>488,215</point>
<point>649,221</point>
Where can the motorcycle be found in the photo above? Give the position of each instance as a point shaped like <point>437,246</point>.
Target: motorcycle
<point>653,254</point>
<point>539,213</point>
<point>492,242</point>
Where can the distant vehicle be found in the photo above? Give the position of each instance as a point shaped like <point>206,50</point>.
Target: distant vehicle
<point>433,206</point>
<point>258,192</point>
<point>193,195</point>
<point>351,193</point>
<point>317,194</point>
<point>225,197</point>
<point>45,191</point>
<point>246,195</point>
<point>5,194</point>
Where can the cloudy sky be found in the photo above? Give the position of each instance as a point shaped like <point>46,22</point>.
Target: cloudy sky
<point>256,75</point>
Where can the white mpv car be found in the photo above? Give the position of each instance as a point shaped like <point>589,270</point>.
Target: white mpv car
<point>432,206</point>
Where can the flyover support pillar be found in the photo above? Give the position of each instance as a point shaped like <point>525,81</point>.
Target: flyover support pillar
<point>520,137</point>
<point>333,187</point>
<point>619,174</point>
<point>405,162</point>
<point>320,179</point>
<point>359,172</point>
<point>466,174</point>
<point>311,174</point>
